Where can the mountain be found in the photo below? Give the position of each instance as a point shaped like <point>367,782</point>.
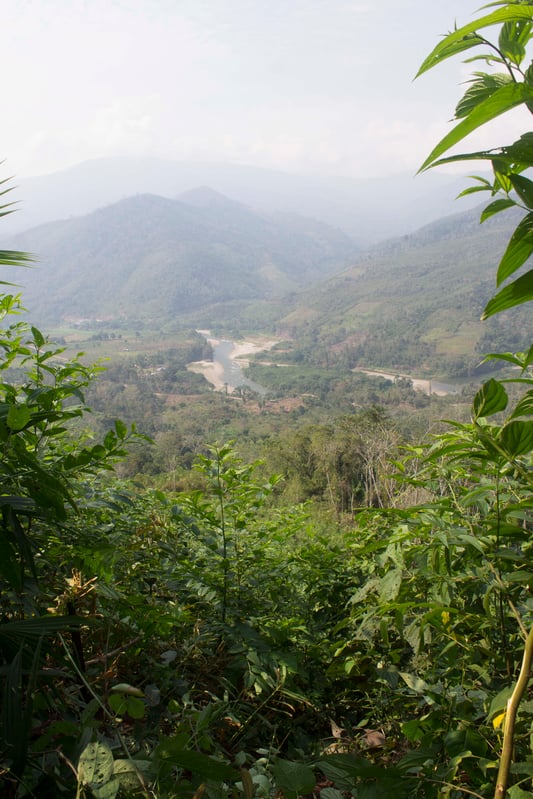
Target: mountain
<point>413,303</point>
<point>368,210</point>
<point>150,256</point>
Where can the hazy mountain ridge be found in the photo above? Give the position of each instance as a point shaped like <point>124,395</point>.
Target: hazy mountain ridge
<point>149,255</point>
<point>368,210</point>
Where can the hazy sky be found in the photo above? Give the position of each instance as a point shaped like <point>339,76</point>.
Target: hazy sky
<point>322,86</point>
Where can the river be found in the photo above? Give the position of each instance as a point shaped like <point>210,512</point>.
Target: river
<point>226,354</point>
<point>225,371</point>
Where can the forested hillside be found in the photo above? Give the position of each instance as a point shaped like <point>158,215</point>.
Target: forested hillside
<point>412,303</point>
<point>160,258</point>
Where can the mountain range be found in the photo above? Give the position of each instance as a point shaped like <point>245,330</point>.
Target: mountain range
<point>368,210</point>
<point>153,257</point>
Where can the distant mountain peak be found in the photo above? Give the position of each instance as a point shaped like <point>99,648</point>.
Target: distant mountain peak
<point>161,257</point>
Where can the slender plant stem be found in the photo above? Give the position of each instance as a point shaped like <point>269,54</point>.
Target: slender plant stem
<point>225,568</point>
<point>510,719</point>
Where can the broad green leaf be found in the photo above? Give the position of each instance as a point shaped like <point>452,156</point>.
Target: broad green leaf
<point>95,764</point>
<point>122,704</point>
<point>478,91</point>
<point>344,769</point>
<point>516,293</point>
<point>518,250</point>
<point>337,773</point>
<point>120,429</point>
<point>130,773</point>
<point>463,38</point>
<point>479,155</point>
<point>110,440</point>
<point>491,398</point>
<point>502,100</point>
<point>501,169</point>
<point>294,779</point>
<point>117,703</point>
<point>513,39</point>
<point>495,208</point>
<point>471,541</point>
<point>18,417</point>
<point>413,731</point>
<point>135,708</point>
<point>524,767</point>
<point>516,792</point>
<point>173,750</point>
<point>517,437</point>
<point>524,407</point>
<point>465,741</point>
<point>511,357</point>
<point>108,790</point>
<point>38,337</point>
<point>389,585</point>
<point>524,188</point>
<point>521,151</point>
<point>331,793</point>
<point>416,758</point>
<point>474,190</point>
<point>528,360</point>
<point>414,683</point>
<point>452,45</point>
<point>95,770</point>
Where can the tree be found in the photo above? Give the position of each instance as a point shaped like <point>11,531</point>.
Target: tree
<point>489,95</point>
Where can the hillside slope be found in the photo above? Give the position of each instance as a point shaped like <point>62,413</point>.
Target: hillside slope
<point>149,256</point>
<point>413,303</point>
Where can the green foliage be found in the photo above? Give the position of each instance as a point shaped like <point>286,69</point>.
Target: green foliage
<point>490,95</point>
<point>446,600</point>
<point>343,464</point>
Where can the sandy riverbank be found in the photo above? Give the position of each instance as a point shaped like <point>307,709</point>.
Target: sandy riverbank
<point>213,371</point>
<point>419,384</point>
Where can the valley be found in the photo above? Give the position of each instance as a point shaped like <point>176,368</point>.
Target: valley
<point>225,369</point>
<point>284,317</point>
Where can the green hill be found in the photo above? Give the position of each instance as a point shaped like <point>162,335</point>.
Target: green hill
<point>152,257</point>
<point>412,303</point>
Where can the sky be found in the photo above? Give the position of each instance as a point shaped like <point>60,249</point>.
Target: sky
<point>308,86</point>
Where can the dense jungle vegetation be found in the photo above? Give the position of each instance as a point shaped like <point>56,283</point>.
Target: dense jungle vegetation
<point>355,621</point>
